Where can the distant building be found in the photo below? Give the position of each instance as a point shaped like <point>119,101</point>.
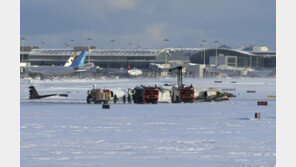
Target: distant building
<point>253,48</point>
<point>235,58</point>
<point>142,58</point>
<point>25,50</point>
<point>81,48</point>
<point>105,58</point>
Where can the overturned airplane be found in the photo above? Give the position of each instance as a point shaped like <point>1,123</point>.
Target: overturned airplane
<point>211,94</point>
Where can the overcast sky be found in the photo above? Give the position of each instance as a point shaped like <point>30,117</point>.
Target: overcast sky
<point>146,23</point>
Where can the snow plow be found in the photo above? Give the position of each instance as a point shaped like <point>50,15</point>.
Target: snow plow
<point>142,94</point>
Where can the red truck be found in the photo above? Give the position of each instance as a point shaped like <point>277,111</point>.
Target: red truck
<point>151,95</point>
<point>187,94</point>
<point>183,94</point>
<point>142,94</point>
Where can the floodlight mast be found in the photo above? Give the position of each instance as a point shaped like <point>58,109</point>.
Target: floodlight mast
<point>204,56</point>
<point>89,40</point>
<point>166,57</point>
<point>22,49</point>
<point>216,62</point>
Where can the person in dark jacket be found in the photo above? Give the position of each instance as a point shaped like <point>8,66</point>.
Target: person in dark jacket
<point>129,99</point>
<point>123,99</point>
<point>115,99</point>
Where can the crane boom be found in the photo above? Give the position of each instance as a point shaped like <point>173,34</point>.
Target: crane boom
<point>179,75</point>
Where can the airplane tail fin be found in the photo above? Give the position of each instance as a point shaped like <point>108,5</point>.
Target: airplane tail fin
<point>79,61</point>
<point>70,60</point>
<point>33,92</point>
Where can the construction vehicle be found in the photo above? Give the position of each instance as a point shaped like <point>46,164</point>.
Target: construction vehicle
<point>181,93</point>
<point>142,94</point>
<point>99,96</point>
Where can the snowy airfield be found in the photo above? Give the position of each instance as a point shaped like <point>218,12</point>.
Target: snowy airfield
<point>59,131</point>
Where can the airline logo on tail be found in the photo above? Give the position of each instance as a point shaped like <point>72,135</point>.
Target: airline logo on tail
<point>79,61</point>
<point>70,60</point>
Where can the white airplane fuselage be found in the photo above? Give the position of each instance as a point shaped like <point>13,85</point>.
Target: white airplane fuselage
<point>135,72</point>
<point>52,71</point>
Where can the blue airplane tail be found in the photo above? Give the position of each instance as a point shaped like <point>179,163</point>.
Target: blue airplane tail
<point>79,61</point>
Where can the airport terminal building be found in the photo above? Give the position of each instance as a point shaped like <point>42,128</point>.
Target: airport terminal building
<point>106,58</point>
<point>142,58</point>
<point>235,58</point>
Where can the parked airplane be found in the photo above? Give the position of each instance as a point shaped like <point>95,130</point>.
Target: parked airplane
<point>70,60</point>
<point>122,72</point>
<point>45,71</point>
<point>135,72</point>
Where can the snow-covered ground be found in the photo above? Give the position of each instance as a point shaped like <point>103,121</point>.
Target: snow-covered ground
<point>68,132</point>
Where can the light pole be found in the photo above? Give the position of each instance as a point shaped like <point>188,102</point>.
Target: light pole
<point>250,61</point>
<point>89,40</point>
<point>130,44</point>
<point>216,42</point>
<point>22,49</point>
<point>42,43</point>
<point>166,57</point>
<point>112,42</point>
<point>203,42</point>
<point>71,43</point>
<point>69,47</point>
<point>66,44</point>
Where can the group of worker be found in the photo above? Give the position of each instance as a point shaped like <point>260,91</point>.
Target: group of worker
<point>123,99</point>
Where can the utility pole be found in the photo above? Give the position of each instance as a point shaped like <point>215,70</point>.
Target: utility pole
<point>166,57</point>
<point>89,40</point>
<point>216,42</point>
